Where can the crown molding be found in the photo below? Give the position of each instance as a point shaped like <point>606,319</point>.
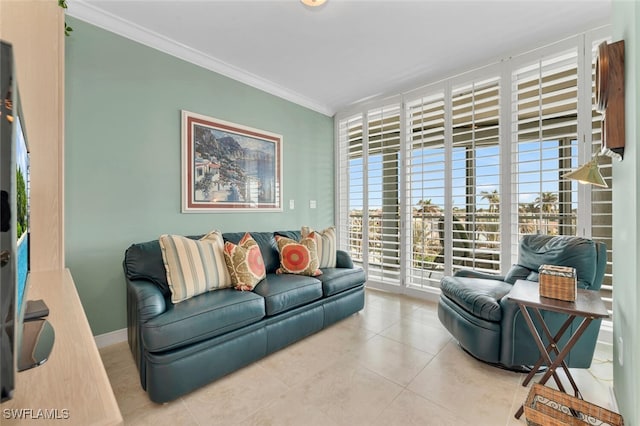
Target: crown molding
<point>100,18</point>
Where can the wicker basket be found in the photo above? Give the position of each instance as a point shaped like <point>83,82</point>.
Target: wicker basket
<point>558,282</point>
<point>548,407</point>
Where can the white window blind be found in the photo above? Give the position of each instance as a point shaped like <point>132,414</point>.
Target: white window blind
<point>437,163</point>
<point>351,196</point>
<point>425,193</point>
<point>383,179</point>
<point>475,224</point>
<point>369,179</point>
<point>545,146</point>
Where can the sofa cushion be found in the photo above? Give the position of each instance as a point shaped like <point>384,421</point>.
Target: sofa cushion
<point>202,317</point>
<point>143,261</point>
<point>325,243</point>
<point>298,258</point>
<point>336,280</point>
<point>480,297</point>
<point>284,292</point>
<point>244,262</point>
<point>194,266</point>
<point>267,245</point>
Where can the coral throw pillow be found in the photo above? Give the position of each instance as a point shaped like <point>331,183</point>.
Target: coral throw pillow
<point>298,258</point>
<point>245,263</point>
<point>326,245</point>
<point>194,266</point>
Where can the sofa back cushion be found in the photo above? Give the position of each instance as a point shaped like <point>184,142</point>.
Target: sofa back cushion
<point>143,261</point>
<point>267,244</point>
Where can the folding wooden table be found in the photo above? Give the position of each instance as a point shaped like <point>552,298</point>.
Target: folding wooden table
<point>588,306</point>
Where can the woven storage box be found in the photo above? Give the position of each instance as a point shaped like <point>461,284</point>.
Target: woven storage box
<point>548,407</point>
<point>558,282</point>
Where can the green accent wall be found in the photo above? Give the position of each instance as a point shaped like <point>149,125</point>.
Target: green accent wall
<point>122,158</point>
<point>626,223</point>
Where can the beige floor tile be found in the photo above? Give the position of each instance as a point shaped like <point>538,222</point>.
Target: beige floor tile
<point>418,335</point>
<point>302,360</point>
<point>453,376</point>
<point>235,397</point>
<point>373,319</point>
<point>348,393</point>
<point>287,410</point>
<point>116,357</point>
<point>172,414</point>
<point>410,409</point>
<point>393,360</point>
<point>129,394</point>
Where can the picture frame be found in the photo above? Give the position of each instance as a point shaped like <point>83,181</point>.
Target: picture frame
<point>228,167</point>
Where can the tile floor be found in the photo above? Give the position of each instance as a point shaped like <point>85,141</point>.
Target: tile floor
<point>392,363</point>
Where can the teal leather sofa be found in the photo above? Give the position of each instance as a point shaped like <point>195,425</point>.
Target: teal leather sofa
<point>474,308</point>
<point>179,348</point>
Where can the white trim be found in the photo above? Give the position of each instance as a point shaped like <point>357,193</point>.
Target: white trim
<point>111,338</point>
<point>84,11</point>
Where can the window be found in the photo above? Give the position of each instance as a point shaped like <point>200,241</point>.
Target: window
<point>545,146</point>
<point>369,165</point>
<point>453,175</point>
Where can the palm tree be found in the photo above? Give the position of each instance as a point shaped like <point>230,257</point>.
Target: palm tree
<point>546,202</point>
<point>425,206</point>
<point>493,198</point>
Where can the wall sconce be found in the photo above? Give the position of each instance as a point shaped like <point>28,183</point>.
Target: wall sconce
<point>588,173</point>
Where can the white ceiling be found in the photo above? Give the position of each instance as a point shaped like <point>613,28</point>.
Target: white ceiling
<point>347,50</point>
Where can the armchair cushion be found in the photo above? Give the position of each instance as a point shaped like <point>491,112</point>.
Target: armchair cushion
<point>478,296</point>
<point>580,253</point>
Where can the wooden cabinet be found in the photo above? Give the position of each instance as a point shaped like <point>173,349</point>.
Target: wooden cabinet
<point>72,385</point>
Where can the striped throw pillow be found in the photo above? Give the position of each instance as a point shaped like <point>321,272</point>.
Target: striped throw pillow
<point>194,266</point>
<point>326,245</point>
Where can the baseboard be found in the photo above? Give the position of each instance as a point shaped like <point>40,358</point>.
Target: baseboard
<point>111,338</point>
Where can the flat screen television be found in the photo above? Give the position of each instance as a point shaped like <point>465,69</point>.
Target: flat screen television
<point>26,340</point>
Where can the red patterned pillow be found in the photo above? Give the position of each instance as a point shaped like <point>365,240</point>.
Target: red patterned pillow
<point>298,258</point>
<point>244,262</point>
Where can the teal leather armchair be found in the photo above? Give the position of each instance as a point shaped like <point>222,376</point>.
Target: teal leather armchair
<point>474,308</point>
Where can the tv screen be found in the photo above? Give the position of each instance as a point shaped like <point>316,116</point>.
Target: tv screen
<point>22,210</point>
<point>8,294</point>
<point>25,338</point>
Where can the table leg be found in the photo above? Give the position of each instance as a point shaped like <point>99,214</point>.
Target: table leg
<point>552,345</point>
<point>559,360</point>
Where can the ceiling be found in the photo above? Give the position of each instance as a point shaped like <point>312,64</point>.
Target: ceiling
<point>345,51</point>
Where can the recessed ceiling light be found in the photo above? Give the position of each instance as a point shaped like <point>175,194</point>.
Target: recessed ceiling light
<point>313,3</point>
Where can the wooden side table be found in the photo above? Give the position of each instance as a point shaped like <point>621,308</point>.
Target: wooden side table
<point>588,305</point>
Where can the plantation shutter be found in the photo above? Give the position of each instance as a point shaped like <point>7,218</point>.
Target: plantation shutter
<point>383,180</point>
<point>475,224</point>
<point>425,192</point>
<point>351,193</point>
<point>545,147</point>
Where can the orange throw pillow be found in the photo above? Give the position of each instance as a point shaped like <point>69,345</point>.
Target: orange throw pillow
<point>298,258</point>
<point>244,262</point>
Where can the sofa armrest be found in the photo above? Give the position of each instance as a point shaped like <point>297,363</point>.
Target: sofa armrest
<point>469,273</point>
<point>343,260</point>
<point>148,300</point>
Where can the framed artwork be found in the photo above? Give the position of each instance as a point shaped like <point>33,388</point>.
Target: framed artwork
<point>229,167</point>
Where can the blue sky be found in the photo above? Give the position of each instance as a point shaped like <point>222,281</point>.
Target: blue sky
<point>537,168</point>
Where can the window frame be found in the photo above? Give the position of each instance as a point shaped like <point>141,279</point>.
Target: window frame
<point>504,69</point>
